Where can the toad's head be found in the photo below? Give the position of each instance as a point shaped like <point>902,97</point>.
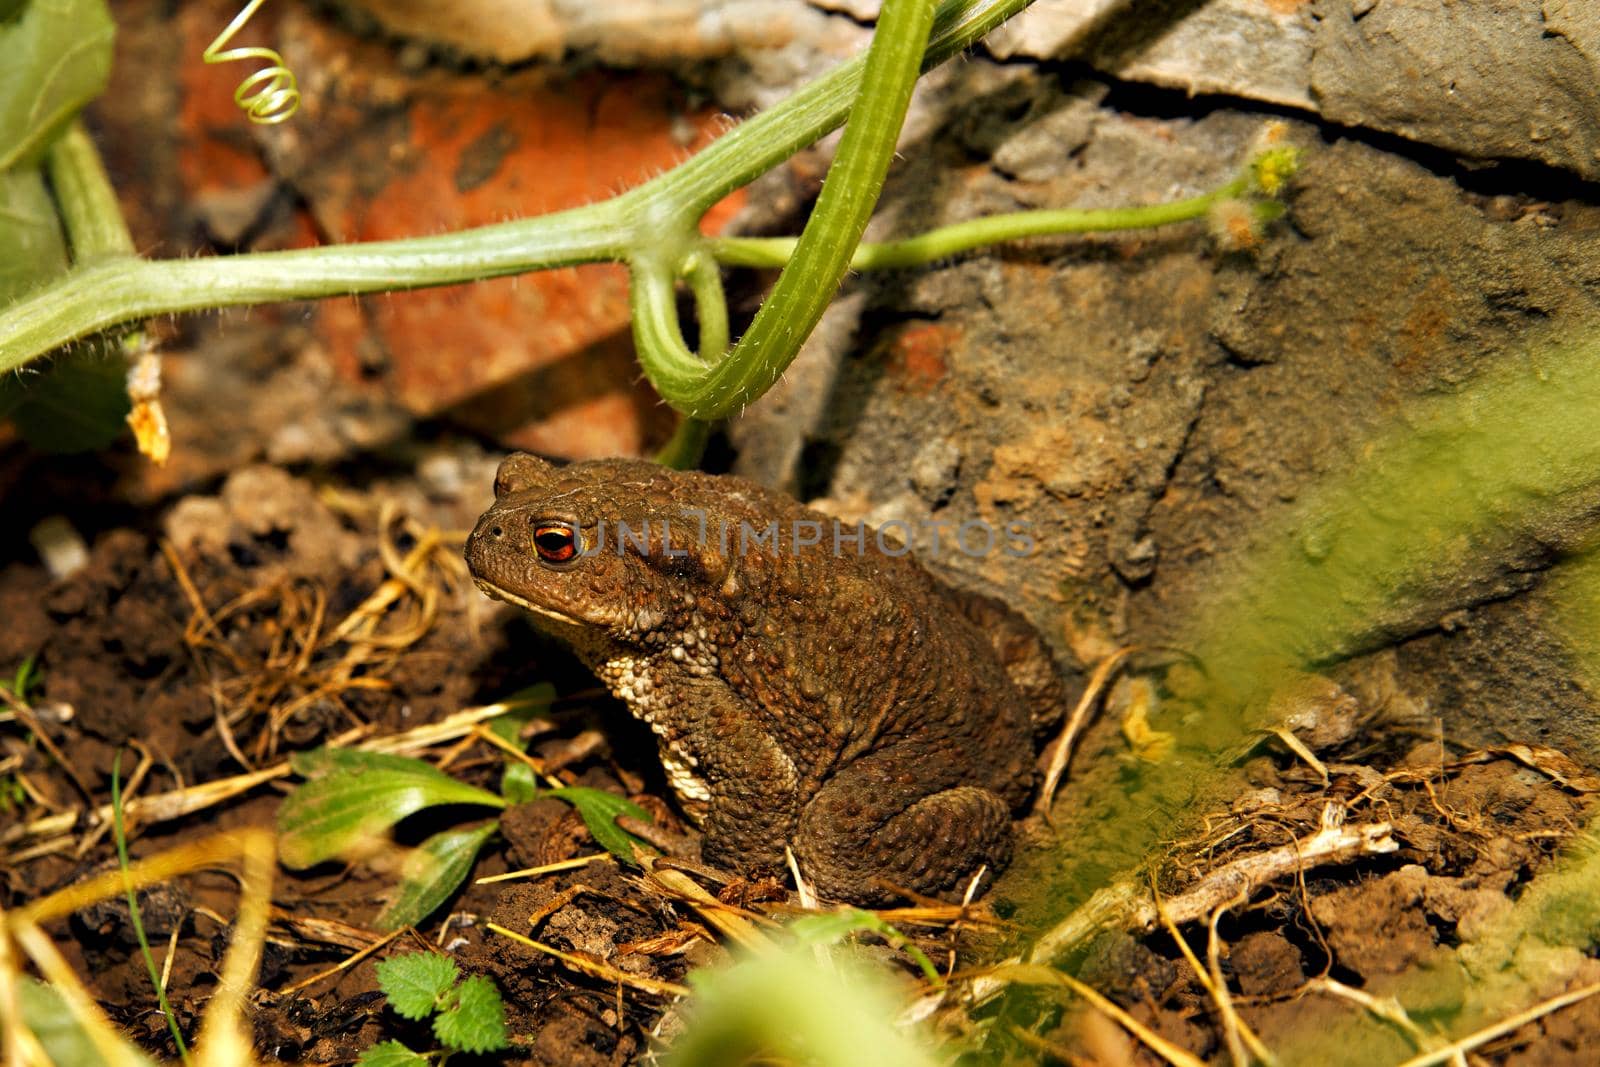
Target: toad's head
<point>610,548</point>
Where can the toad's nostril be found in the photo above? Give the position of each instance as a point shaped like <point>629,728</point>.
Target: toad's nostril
<point>495,531</point>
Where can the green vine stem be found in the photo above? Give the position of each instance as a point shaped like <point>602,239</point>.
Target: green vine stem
<point>121,289</point>
<point>85,199</point>
<point>821,256</point>
<point>659,215</point>
<point>687,446</point>
<point>947,241</point>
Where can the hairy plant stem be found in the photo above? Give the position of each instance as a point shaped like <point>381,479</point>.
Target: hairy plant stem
<point>946,241</point>
<point>657,218</point>
<point>85,199</point>
<point>687,446</point>
<point>822,254</point>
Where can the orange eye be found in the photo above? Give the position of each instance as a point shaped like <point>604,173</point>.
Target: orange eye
<point>556,544</point>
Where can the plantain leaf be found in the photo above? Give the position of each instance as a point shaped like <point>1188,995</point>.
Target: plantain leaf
<point>353,796</point>
<point>599,811</point>
<point>517,783</point>
<point>432,872</point>
<point>526,705</point>
<point>54,58</point>
<point>321,762</point>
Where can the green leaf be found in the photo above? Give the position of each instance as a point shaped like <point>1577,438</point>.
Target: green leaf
<point>599,811</point>
<point>431,873</point>
<point>26,677</point>
<point>416,983</point>
<point>54,59</point>
<point>33,247</point>
<point>390,1054</point>
<point>477,1021</point>
<point>321,762</point>
<point>354,796</point>
<point>57,1028</point>
<point>79,404</point>
<point>517,783</point>
<point>526,705</point>
<point>831,927</point>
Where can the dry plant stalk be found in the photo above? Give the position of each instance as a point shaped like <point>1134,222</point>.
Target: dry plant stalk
<point>1039,975</point>
<point>1459,1048</point>
<point>224,1039</point>
<point>1061,750</point>
<point>595,968</point>
<point>1127,904</point>
<point>730,921</point>
<point>1135,909</point>
<point>295,672</point>
<point>1237,1034</point>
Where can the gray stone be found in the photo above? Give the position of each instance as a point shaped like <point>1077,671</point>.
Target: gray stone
<point>1483,79</point>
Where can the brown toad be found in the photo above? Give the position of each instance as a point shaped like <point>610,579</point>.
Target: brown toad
<point>830,696</point>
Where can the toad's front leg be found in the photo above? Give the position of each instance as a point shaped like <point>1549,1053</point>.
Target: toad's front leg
<point>750,785</point>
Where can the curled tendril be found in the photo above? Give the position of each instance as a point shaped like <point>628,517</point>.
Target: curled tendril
<point>269,95</point>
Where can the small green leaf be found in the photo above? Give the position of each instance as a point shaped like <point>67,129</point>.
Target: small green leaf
<point>390,1054</point>
<point>26,677</point>
<point>476,1023</point>
<point>416,983</point>
<point>431,873</point>
<point>353,796</point>
<point>831,927</point>
<point>54,59</point>
<point>526,705</point>
<point>599,811</point>
<point>517,783</point>
<point>57,1028</point>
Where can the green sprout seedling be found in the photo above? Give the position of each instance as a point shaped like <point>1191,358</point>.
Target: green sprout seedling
<point>352,797</point>
<point>467,1013</point>
<point>15,690</point>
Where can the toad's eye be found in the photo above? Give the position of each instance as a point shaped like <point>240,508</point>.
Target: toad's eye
<point>556,543</point>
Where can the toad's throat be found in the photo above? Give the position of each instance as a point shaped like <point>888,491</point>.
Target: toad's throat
<point>693,793</point>
<point>498,593</point>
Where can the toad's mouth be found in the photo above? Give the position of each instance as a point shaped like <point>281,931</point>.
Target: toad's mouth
<point>491,590</point>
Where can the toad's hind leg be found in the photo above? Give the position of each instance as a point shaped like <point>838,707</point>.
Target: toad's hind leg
<point>867,829</point>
